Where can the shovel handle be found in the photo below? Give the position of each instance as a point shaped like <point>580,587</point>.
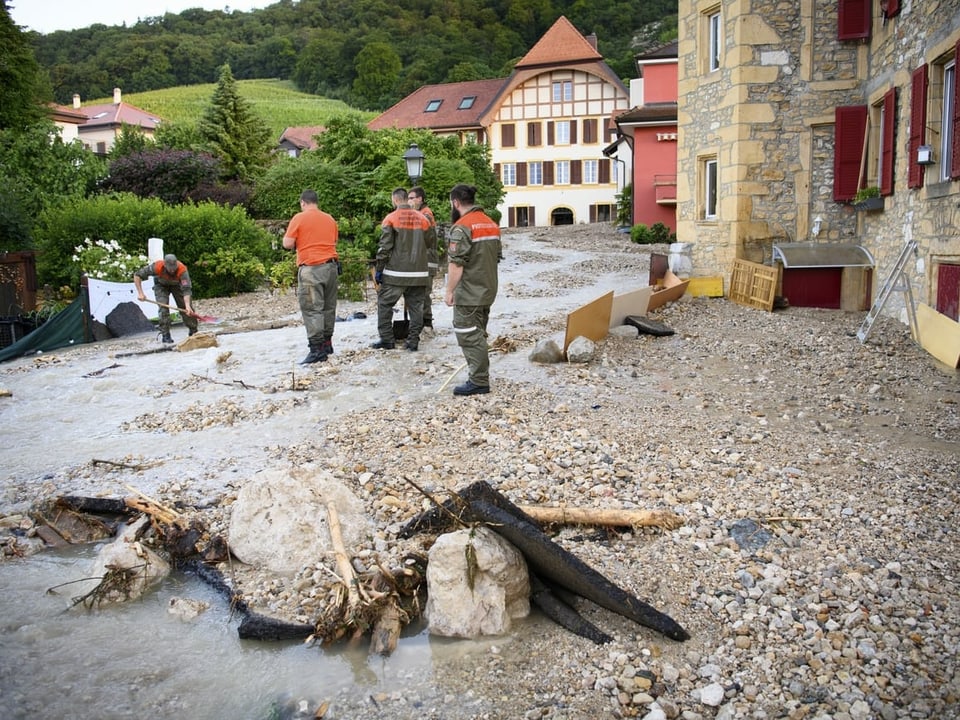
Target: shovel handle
<point>172,307</point>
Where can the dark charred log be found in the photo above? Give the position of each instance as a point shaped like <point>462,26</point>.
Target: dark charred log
<point>479,502</point>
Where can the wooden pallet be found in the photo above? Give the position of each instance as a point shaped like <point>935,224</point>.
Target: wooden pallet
<point>753,284</point>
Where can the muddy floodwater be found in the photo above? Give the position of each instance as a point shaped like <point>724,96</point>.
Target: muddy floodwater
<point>140,660</point>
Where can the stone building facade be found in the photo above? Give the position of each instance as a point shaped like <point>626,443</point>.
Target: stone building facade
<point>787,109</point>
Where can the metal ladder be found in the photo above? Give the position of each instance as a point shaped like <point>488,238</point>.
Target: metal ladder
<point>896,282</point>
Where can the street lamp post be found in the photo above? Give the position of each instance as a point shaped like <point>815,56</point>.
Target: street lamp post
<point>413,157</point>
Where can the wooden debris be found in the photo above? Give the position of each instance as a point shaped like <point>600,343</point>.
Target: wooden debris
<point>611,517</point>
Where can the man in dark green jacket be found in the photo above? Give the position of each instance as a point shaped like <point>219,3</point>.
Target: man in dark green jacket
<point>401,270</point>
<point>474,252</point>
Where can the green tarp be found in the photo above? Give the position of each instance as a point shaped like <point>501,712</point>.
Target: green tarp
<point>65,328</point>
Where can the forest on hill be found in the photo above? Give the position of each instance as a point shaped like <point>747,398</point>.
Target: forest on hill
<point>368,53</point>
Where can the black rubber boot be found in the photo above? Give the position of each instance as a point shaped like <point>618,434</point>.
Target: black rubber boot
<point>166,338</point>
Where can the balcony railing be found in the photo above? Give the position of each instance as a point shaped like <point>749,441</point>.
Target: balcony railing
<point>665,189</point>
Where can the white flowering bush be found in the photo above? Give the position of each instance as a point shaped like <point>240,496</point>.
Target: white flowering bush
<point>106,260</point>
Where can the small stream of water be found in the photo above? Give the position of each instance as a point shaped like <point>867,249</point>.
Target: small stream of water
<point>138,660</point>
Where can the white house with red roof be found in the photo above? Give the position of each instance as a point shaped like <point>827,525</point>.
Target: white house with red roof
<point>105,122</point>
<point>546,125</point>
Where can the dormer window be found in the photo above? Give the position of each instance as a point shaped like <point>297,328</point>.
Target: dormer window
<point>433,105</point>
<point>467,102</point>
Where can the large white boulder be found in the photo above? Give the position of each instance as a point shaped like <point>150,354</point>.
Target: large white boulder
<point>501,585</point>
<point>279,521</point>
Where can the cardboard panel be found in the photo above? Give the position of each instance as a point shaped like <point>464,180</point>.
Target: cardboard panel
<point>629,303</point>
<point>939,335</point>
<point>592,320</point>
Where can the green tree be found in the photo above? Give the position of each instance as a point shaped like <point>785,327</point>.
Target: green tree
<point>378,69</point>
<point>130,140</point>
<point>39,170</point>
<point>23,89</point>
<point>238,137</point>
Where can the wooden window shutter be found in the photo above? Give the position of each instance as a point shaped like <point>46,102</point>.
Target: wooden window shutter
<point>955,151</point>
<point>890,8</point>
<point>849,133</point>
<point>550,133</point>
<point>593,213</point>
<point>496,171</point>
<point>576,172</point>
<point>918,122</point>
<point>534,134</point>
<point>590,131</point>
<point>521,173</point>
<point>508,135</point>
<point>511,216</point>
<point>853,19</point>
<point>573,132</point>
<point>889,138</point>
<point>603,171</point>
<point>531,216</point>
<point>548,172</point>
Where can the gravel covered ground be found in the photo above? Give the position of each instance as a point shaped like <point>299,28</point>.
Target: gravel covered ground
<point>817,478</point>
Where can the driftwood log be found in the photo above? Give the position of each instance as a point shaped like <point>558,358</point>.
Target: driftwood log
<point>610,517</point>
<point>550,563</point>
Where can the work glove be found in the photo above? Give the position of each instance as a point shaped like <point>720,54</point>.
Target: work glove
<point>378,276</point>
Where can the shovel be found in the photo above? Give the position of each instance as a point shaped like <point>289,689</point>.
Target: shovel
<point>201,318</point>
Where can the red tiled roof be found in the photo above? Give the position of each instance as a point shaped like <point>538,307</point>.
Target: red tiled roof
<point>65,114</point>
<point>116,114</point>
<point>562,43</point>
<point>302,137</point>
<point>445,102</point>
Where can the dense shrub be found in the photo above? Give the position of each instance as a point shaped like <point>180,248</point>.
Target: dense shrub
<point>171,175</point>
<point>340,189</point>
<point>223,247</point>
<point>657,234</point>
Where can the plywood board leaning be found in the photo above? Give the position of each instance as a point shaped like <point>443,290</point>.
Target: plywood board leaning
<point>633,302</point>
<point>591,321</point>
<point>674,288</point>
<point>939,335</point>
<point>753,284</point>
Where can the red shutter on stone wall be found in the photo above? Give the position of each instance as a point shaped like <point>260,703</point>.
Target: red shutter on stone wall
<point>521,173</point>
<point>848,135</point>
<point>890,8</point>
<point>918,122</point>
<point>548,172</point>
<point>889,138</point>
<point>603,174</point>
<point>853,19</point>
<point>955,151</point>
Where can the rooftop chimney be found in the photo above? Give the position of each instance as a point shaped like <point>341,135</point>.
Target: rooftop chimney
<point>592,39</point>
<point>76,101</point>
<point>116,96</point>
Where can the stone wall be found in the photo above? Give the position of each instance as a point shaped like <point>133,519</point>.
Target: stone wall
<point>767,114</point>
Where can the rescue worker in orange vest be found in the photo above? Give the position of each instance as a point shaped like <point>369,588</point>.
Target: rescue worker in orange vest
<point>474,251</point>
<point>170,277</point>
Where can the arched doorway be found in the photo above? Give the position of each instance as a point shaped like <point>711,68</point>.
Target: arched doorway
<point>561,216</point>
